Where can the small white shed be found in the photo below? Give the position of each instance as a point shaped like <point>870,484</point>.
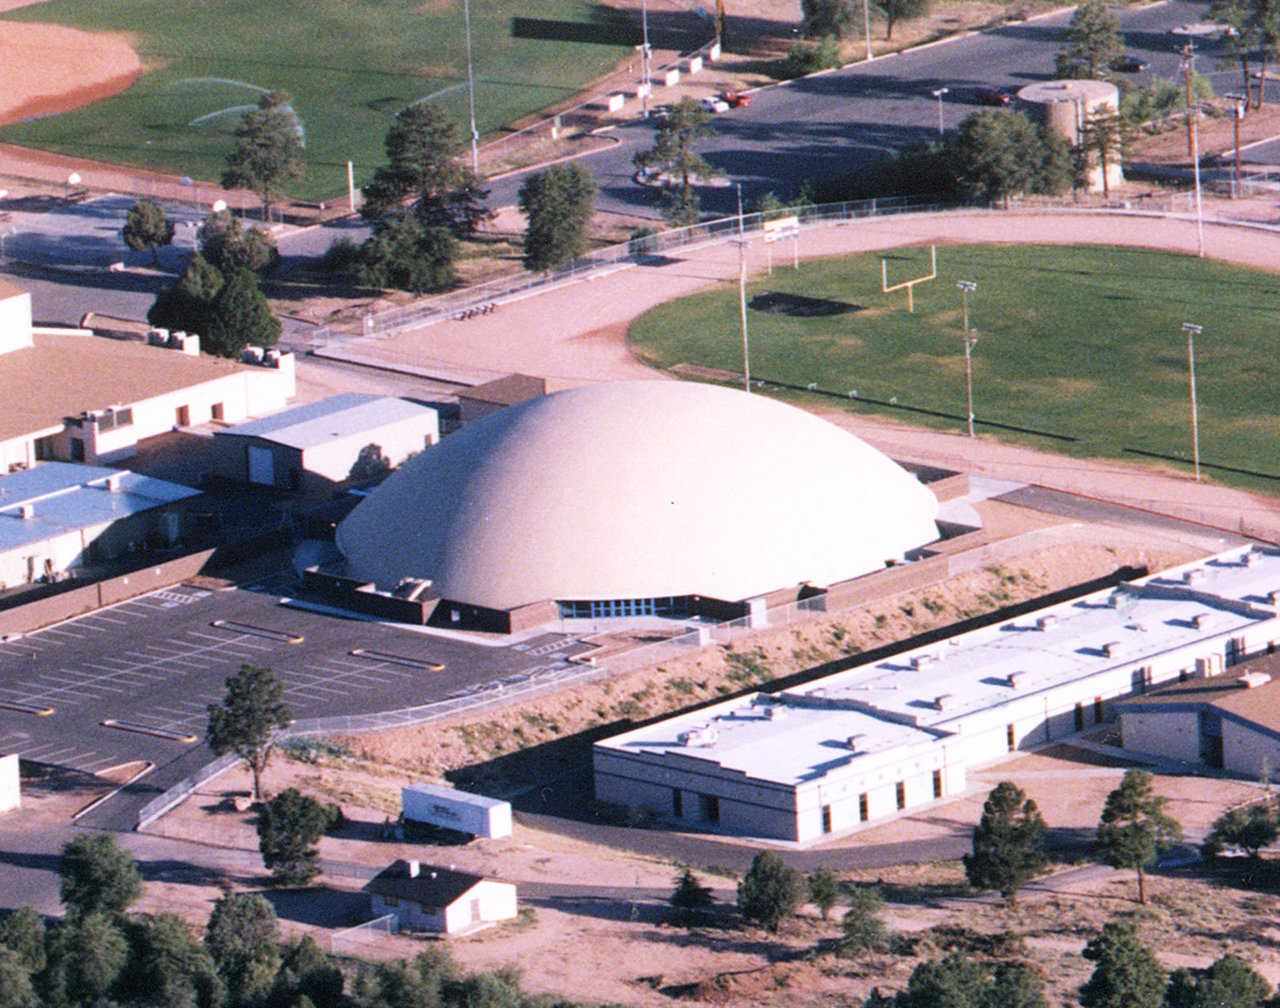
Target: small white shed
<point>10,786</point>
<point>428,898</point>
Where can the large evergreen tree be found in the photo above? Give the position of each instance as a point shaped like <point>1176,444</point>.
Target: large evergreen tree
<point>1093,43</point>
<point>147,229</point>
<point>1128,975</point>
<point>1135,828</point>
<point>674,164</point>
<point>288,828</point>
<point>1008,842</point>
<point>901,10</point>
<point>1248,828</point>
<point>97,876</point>
<point>826,17</point>
<point>558,204</point>
<point>246,721</point>
<point>239,317</point>
<point>770,891</point>
<point>424,168</point>
<point>268,149</point>
<point>999,153</point>
<point>409,253</point>
<point>1228,983</point>
<point>188,304</point>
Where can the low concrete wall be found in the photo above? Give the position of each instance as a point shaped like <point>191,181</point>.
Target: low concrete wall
<point>78,601</point>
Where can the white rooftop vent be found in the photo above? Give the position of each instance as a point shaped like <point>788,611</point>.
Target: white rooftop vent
<point>27,512</point>
<point>1251,680</point>
<point>944,701</point>
<point>923,661</point>
<point>774,711</point>
<point>1200,620</point>
<point>1251,559</point>
<point>856,742</point>
<point>415,868</point>
<point>703,735</point>
<point>115,482</point>
<point>1046,622</point>
<point>1111,648</point>
<point>1017,679</point>
<point>1193,576</point>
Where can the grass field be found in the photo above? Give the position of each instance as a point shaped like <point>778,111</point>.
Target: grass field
<point>1080,341</point>
<point>350,65</point>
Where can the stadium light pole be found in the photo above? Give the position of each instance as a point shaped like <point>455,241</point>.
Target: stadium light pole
<point>938,94</point>
<point>965,287</point>
<point>471,90</point>
<point>1192,330</point>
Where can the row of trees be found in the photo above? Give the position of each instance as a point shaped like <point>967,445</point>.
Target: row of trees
<point>100,955</point>
<point>839,19</point>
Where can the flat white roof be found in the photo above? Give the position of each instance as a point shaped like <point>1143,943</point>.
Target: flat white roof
<point>890,703</point>
<point>772,741</point>
<point>317,423</point>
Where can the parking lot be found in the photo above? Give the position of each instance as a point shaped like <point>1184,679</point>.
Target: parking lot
<point>134,681</point>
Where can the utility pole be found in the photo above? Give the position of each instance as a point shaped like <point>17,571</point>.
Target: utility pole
<point>966,286</point>
<point>742,296</point>
<point>645,84</point>
<point>1235,122</point>
<point>1188,68</point>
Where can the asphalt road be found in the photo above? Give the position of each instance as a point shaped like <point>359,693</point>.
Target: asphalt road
<point>134,681</point>
<point>821,127</point>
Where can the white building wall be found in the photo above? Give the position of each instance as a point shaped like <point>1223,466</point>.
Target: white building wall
<point>1249,751</point>
<point>10,783</point>
<point>15,322</point>
<point>397,442</point>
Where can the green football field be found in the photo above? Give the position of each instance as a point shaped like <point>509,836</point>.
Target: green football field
<point>350,65</point>
<point>1085,343</point>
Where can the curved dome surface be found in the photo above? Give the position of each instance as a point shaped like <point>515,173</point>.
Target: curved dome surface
<point>640,489</point>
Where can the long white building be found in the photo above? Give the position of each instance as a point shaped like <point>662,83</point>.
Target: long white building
<point>882,738</point>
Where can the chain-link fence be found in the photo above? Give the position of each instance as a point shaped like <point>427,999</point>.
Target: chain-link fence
<point>478,298</point>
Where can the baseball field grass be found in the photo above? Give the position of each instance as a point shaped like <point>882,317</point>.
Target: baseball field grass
<point>1082,342</point>
<point>349,64</point>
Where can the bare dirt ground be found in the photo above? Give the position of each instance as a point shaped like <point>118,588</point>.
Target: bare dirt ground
<point>50,69</point>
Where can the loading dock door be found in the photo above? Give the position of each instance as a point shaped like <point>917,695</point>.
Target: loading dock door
<point>261,469</point>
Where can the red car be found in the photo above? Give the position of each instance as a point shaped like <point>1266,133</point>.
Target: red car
<point>736,100</point>
<point>992,96</point>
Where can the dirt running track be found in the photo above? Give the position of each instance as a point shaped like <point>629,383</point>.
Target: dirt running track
<point>577,334</point>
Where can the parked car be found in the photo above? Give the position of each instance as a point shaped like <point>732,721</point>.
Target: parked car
<point>992,96</point>
<point>1128,64</point>
<point>736,99</point>
<point>714,104</point>
<point>659,112</point>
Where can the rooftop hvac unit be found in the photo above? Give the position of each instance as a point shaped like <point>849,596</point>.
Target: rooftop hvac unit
<point>703,735</point>
<point>1273,598</point>
<point>27,511</point>
<point>251,355</point>
<point>1200,620</point>
<point>1111,649</point>
<point>856,742</point>
<point>1193,576</point>
<point>158,337</point>
<point>1251,559</point>
<point>115,482</point>
<point>1046,622</point>
<point>1017,679</point>
<point>944,701</point>
<point>923,661</point>
<point>1115,600</point>
<point>1251,680</point>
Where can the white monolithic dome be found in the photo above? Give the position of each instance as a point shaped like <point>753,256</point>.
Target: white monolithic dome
<point>1066,107</point>
<point>647,493</point>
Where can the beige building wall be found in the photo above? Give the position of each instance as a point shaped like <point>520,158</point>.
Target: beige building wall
<point>10,783</point>
<point>1249,751</point>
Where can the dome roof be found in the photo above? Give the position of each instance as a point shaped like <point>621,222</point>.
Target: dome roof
<point>639,489</point>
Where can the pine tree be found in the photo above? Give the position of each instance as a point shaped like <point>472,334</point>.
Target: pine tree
<point>188,304</point>
<point>1094,42</point>
<point>1008,842</point>
<point>824,890</point>
<point>558,204</point>
<point>690,898</point>
<point>770,892</point>
<point>1127,974</point>
<point>288,828</point>
<point>674,163</point>
<point>901,10</point>
<point>246,721</point>
<point>268,149</point>
<point>1135,828</point>
<point>146,228</point>
<point>240,317</point>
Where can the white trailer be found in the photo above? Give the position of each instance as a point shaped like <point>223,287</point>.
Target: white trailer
<point>438,805</point>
